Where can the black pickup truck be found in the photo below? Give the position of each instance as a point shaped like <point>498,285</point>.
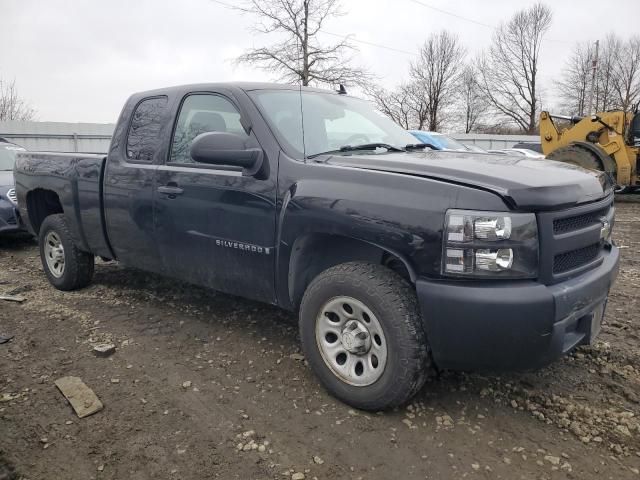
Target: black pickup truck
<point>397,258</point>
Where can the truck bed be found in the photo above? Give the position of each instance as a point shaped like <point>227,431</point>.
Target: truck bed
<point>77,181</point>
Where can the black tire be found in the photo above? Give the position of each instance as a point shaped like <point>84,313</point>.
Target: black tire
<point>393,301</point>
<point>78,265</point>
<point>576,156</point>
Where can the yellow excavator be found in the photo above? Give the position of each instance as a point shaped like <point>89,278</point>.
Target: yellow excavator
<point>607,141</point>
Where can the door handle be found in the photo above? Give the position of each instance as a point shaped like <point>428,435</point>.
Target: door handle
<point>170,190</point>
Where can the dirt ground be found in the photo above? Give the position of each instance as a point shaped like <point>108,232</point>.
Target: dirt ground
<point>205,385</point>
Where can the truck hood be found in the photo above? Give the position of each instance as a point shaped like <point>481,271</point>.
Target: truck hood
<point>6,178</point>
<point>524,183</point>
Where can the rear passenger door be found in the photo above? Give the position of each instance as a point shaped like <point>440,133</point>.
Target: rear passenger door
<point>215,227</point>
<point>129,180</point>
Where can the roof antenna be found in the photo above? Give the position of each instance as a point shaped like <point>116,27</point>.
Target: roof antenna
<point>342,90</point>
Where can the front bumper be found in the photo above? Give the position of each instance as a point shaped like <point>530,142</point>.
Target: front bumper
<point>9,218</point>
<point>514,325</point>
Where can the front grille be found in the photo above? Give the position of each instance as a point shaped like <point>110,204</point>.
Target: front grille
<point>12,195</point>
<point>567,261</point>
<point>571,240</point>
<point>577,222</point>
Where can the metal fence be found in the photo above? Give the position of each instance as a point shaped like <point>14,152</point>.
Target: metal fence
<point>58,136</point>
<point>490,141</point>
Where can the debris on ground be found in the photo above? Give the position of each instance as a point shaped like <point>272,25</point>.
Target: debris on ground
<point>5,338</point>
<point>13,298</point>
<point>104,349</point>
<point>7,397</point>
<point>83,400</point>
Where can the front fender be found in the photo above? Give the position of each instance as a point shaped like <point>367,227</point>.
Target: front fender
<point>399,214</point>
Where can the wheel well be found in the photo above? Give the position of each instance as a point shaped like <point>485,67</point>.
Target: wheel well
<point>40,204</point>
<point>313,254</point>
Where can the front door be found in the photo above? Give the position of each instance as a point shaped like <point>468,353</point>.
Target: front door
<point>215,227</point>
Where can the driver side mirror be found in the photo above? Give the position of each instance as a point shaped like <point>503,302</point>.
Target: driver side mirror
<point>228,149</point>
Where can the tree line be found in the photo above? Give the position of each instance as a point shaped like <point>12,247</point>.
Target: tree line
<point>496,91</point>
<point>617,82</point>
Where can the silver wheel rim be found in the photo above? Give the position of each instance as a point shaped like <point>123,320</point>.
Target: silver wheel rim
<point>54,254</point>
<point>351,341</point>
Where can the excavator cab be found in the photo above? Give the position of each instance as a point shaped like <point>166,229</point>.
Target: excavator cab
<point>634,130</point>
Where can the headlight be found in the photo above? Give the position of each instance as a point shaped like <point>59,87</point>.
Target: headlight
<point>490,244</point>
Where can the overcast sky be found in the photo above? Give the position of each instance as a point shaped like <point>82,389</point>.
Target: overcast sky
<point>77,61</point>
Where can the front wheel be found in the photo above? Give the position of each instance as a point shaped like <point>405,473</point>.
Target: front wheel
<point>362,334</point>
<point>66,267</point>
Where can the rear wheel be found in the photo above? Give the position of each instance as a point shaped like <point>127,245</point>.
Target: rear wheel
<point>362,333</point>
<point>66,267</point>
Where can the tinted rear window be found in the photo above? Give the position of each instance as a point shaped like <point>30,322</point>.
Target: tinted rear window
<point>144,132</point>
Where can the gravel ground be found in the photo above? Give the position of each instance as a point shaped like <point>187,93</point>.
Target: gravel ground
<point>205,385</point>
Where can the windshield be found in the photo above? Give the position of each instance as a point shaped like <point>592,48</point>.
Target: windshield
<point>8,156</point>
<point>309,123</point>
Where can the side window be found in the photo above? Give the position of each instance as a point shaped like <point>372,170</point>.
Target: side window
<point>144,132</point>
<point>202,113</point>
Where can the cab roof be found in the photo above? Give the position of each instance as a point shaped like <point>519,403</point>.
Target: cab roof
<point>245,86</point>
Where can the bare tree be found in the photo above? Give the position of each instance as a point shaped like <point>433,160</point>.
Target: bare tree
<point>575,83</point>
<point>617,80</point>
<point>405,105</point>
<point>301,57</point>
<point>12,106</point>
<point>626,75</point>
<point>437,72</point>
<point>394,104</point>
<point>604,95</point>
<point>509,71</point>
<point>472,102</point>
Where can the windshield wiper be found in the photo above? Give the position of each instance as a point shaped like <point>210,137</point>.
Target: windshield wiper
<point>370,146</point>
<point>364,146</point>
<point>419,146</point>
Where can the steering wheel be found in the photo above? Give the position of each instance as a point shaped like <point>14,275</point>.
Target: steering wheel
<point>353,139</point>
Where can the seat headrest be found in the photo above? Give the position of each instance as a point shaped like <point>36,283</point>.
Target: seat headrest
<point>209,122</point>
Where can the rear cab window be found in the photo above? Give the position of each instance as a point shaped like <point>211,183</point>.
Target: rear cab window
<point>143,138</point>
